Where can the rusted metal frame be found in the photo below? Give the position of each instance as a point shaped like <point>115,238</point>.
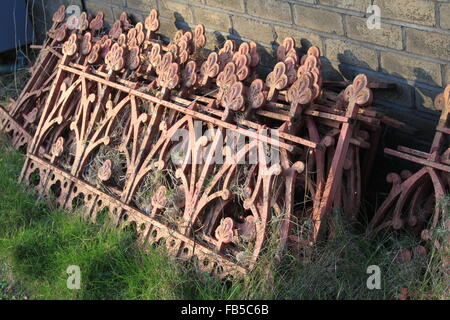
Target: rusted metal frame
<point>194,181</point>
<point>40,81</point>
<point>40,74</point>
<point>414,219</point>
<point>418,160</point>
<point>351,197</point>
<point>290,173</point>
<point>432,169</point>
<point>413,152</point>
<point>139,162</point>
<point>261,199</point>
<point>358,94</point>
<point>357,141</point>
<point>135,215</point>
<point>20,136</point>
<point>408,189</point>
<point>63,100</point>
<point>250,124</point>
<point>440,192</point>
<point>397,188</point>
<point>319,163</point>
<point>271,110</point>
<point>369,157</point>
<point>28,117</point>
<point>45,62</point>
<point>326,116</point>
<point>48,108</point>
<point>260,202</point>
<point>367,116</point>
<point>183,110</point>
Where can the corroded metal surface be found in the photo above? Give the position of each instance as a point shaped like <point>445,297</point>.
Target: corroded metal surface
<point>415,200</point>
<point>196,151</point>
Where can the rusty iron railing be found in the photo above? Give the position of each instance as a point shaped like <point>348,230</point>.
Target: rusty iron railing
<point>194,150</point>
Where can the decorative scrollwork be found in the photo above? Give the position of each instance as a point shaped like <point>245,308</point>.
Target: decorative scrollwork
<point>86,44</point>
<point>209,69</point>
<point>83,23</point>
<point>104,172</point>
<point>241,62</point>
<point>311,67</point>
<point>291,71</point>
<point>94,54</point>
<point>165,62</point>
<point>57,148</point>
<point>152,23</point>
<point>61,33</point>
<point>133,59</point>
<point>255,57</point>
<point>105,46</point>
<point>169,78</point>
<point>140,35</point>
<point>310,64</point>
<point>225,231</point>
<point>96,24</point>
<point>244,50</point>
<point>255,94</point>
<point>177,36</point>
<point>122,40</point>
<point>234,99</point>
<point>183,51</point>
<point>117,106</point>
<point>72,22</point>
<point>358,92</point>
<point>199,37</point>
<point>226,78</point>
<point>31,117</point>
<point>300,93</point>
<point>59,15</point>
<point>187,36</point>
<point>154,57</point>
<point>114,58</point>
<point>189,74</point>
<point>70,46</point>
<point>226,53</point>
<point>286,49</point>
<point>115,30</point>
<point>276,80</point>
<point>125,21</point>
<point>159,199</point>
<point>313,51</point>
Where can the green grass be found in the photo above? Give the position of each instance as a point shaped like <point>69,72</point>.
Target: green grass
<point>38,242</point>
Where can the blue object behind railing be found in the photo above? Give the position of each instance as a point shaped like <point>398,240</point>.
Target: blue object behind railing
<point>15,25</point>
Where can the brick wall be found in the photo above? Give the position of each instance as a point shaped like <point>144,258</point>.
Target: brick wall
<point>412,48</point>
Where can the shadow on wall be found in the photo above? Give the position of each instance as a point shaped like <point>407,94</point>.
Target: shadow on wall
<point>268,58</point>
<point>416,95</point>
<point>413,95</point>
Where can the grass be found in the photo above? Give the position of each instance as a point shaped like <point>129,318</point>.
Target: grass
<point>38,242</point>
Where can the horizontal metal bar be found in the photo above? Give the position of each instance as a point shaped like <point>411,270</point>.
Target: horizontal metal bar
<point>184,110</point>
<point>132,211</point>
<point>418,160</point>
<point>413,152</point>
